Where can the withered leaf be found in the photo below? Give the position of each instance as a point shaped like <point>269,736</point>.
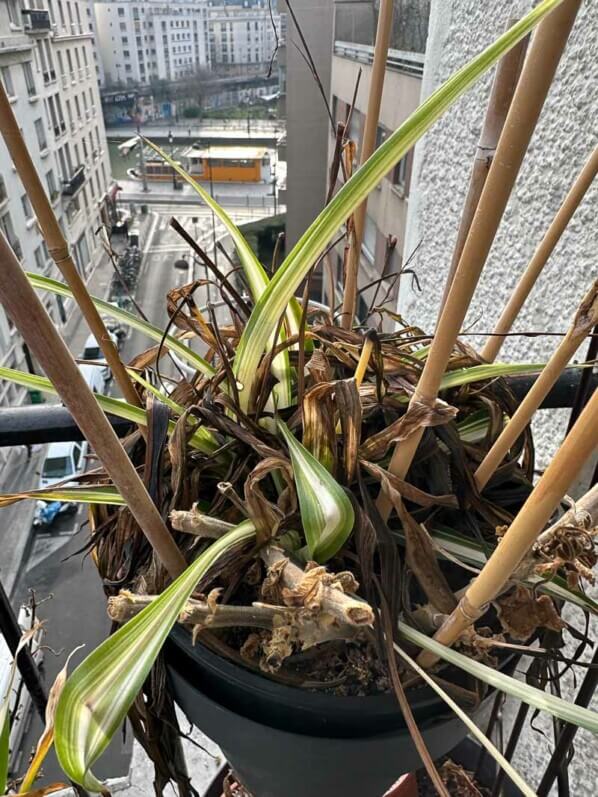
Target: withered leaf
<point>419,414</point>
<point>408,491</point>
<point>521,612</point>
<point>349,409</point>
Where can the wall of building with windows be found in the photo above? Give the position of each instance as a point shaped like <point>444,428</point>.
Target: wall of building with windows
<point>383,247</point>
<point>142,41</point>
<point>48,72</point>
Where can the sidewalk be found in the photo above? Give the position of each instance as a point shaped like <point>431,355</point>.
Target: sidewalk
<point>209,128</point>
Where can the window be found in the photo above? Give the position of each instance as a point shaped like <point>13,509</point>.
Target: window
<point>26,207</point>
<point>401,175</point>
<point>14,13</point>
<point>51,183</point>
<point>3,194</point>
<point>41,134</point>
<point>29,79</point>
<point>121,12</point>
<point>8,230</point>
<point>7,80</point>
<point>41,258</point>
<point>369,238</point>
<point>123,25</point>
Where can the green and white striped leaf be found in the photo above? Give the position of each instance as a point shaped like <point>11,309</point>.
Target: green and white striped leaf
<point>133,321</point>
<point>568,712</point>
<point>99,693</point>
<point>202,438</point>
<point>256,275</point>
<point>326,512</point>
<point>471,726</point>
<point>481,373</point>
<point>311,245</point>
<point>89,494</point>
<point>463,549</point>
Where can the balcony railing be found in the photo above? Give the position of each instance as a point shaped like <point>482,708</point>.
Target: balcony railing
<point>70,187</point>
<point>399,60</point>
<point>36,20</point>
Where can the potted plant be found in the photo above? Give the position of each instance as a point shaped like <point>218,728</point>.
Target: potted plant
<point>313,502</point>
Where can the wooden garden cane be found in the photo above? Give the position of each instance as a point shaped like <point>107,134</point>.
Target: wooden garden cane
<point>585,319</point>
<point>566,465</point>
<point>501,95</point>
<point>546,247</point>
<point>57,245</point>
<point>35,325</point>
<point>383,32</point>
<point>547,45</point>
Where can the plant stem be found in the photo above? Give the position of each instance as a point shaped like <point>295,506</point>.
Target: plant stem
<point>567,463</point>
<point>31,319</point>
<point>538,71</point>
<point>503,88</point>
<point>585,318</point>
<point>57,245</point>
<point>546,247</point>
<point>383,33</point>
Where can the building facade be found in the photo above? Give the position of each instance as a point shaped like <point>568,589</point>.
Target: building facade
<point>143,41</point>
<point>340,37</point>
<point>242,37</point>
<point>48,72</point>
<point>562,142</point>
<point>139,42</point>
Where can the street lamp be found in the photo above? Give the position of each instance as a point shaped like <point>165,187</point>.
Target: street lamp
<point>171,142</point>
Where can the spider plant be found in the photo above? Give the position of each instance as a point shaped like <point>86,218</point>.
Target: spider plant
<point>281,460</point>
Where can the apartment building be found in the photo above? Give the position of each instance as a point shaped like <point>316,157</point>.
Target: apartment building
<point>242,36</point>
<point>48,72</point>
<point>340,36</point>
<point>141,41</point>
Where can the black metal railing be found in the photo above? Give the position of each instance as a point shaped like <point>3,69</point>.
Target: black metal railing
<point>36,20</point>
<point>71,186</point>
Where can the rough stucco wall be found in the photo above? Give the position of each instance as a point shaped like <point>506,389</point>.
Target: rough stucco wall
<point>565,136</point>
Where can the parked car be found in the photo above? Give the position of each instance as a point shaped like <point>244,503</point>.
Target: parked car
<point>63,462</point>
<point>92,351</point>
<point>95,377</point>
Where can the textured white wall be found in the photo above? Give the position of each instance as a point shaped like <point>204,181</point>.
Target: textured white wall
<point>566,134</point>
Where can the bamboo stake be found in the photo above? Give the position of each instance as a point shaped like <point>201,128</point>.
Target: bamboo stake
<point>383,33</point>
<point>31,319</point>
<point>501,95</point>
<point>567,463</point>
<point>546,247</point>
<point>57,244</point>
<point>538,71</point>
<point>585,318</point>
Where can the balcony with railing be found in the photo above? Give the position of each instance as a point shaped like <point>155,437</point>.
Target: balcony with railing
<point>71,186</point>
<point>355,27</point>
<point>36,20</point>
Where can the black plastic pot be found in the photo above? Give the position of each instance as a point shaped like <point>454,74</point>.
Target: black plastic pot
<point>288,742</point>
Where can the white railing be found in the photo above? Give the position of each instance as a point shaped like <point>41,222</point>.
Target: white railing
<point>399,60</point>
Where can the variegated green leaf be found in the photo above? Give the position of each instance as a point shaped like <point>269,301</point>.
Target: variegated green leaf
<point>256,275</point>
<point>84,495</point>
<point>133,321</point>
<point>326,512</point>
<point>568,712</point>
<point>202,438</point>
<point>470,724</point>
<point>97,696</point>
<point>311,245</point>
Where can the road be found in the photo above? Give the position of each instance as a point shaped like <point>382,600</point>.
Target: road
<point>65,582</point>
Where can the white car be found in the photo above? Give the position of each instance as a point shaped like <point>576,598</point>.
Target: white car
<point>63,461</point>
<point>92,351</point>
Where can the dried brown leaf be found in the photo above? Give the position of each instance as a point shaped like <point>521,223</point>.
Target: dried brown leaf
<point>418,415</point>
